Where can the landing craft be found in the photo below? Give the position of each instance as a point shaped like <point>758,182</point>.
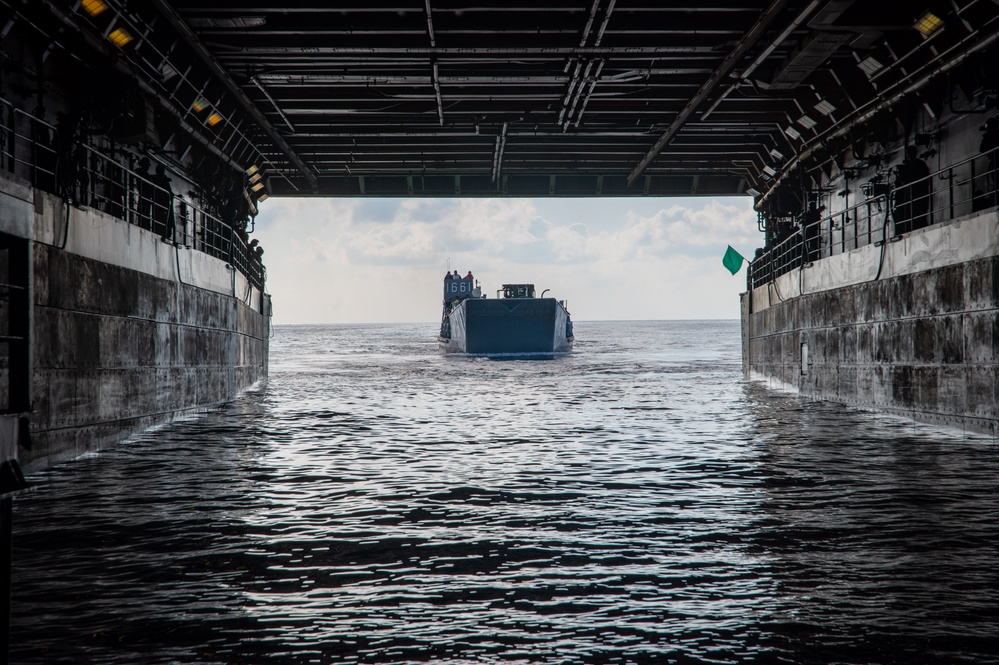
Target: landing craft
<point>515,323</point>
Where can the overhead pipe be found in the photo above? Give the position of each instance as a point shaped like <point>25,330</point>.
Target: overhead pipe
<point>744,76</point>
<point>430,25</point>
<point>958,10</point>
<point>875,106</point>
<point>589,23</point>
<point>569,93</point>
<point>71,21</point>
<point>574,93</point>
<point>575,98</point>
<point>498,157</point>
<point>192,40</point>
<point>327,79</point>
<point>748,40</point>
<point>899,59</point>
<point>640,74</point>
<point>586,100</point>
<point>603,26</point>
<point>284,116</point>
<point>435,76</point>
<point>593,82</point>
<point>468,54</point>
<point>125,68</point>
<point>586,33</point>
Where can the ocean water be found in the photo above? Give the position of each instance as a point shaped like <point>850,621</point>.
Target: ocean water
<point>635,501</point>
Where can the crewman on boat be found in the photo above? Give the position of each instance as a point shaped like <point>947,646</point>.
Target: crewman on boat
<point>469,275</point>
<point>447,275</point>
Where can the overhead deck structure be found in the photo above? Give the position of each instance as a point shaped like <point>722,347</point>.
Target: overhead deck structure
<point>561,98</point>
<point>138,137</point>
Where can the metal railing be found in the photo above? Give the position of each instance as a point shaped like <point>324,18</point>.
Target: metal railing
<point>967,186</point>
<point>33,149</point>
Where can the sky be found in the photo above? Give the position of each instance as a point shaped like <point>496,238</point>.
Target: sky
<point>382,260</point>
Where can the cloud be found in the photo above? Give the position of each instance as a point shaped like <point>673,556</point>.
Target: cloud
<point>394,243</point>
<point>677,228</point>
<point>421,232</point>
<point>569,243</point>
<point>313,250</point>
<point>430,210</point>
<point>376,210</point>
<point>630,259</point>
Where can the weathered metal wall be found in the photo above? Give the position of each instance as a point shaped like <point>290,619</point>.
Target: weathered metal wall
<point>126,331</point>
<point>116,350</point>
<point>915,342</point>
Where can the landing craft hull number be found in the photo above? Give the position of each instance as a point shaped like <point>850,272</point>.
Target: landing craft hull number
<point>458,287</point>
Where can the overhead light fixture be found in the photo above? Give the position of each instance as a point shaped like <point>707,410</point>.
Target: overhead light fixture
<point>214,119</point>
<point>928,23</point>
<point>824,107</point>
<point>199,104</point>
<point>752,192</point>
<point>263,197</point>
<point>257,187</point>
<point>870,65</point>
<point>250,170</point>
<point>93,7</point>
<point>776,154</point>
<point>120,37</point>
<point>239,22</point>
<point>792,132</point>
<point>255,178</point>
<point>770,171</point>
<point>806,122</point>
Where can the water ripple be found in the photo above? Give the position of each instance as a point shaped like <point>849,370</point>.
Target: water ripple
<point>632,502</point>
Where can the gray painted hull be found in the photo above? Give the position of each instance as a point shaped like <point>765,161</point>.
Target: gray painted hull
<point>508,326</point>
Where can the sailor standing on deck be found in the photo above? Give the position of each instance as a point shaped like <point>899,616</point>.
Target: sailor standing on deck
<point>447,275</point>
<point>469,275</point>
<point>912,193</point>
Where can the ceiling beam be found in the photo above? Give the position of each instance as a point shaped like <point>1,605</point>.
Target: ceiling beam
<point>726,66</point>
<point>498,156</point>
<point>434,71</point>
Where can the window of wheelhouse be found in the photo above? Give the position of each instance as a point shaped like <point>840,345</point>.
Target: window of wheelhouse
<point>518,290</point>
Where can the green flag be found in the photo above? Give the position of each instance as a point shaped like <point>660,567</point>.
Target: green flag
<point>732,260</point>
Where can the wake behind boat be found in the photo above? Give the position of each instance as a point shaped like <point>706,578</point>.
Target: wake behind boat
<point>515,323</point>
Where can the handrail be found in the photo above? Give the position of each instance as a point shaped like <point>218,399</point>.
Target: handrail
<point>86,176</point>
<point>966,186</point>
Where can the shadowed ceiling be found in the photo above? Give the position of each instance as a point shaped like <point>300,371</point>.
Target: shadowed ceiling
<point>560,98</point>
